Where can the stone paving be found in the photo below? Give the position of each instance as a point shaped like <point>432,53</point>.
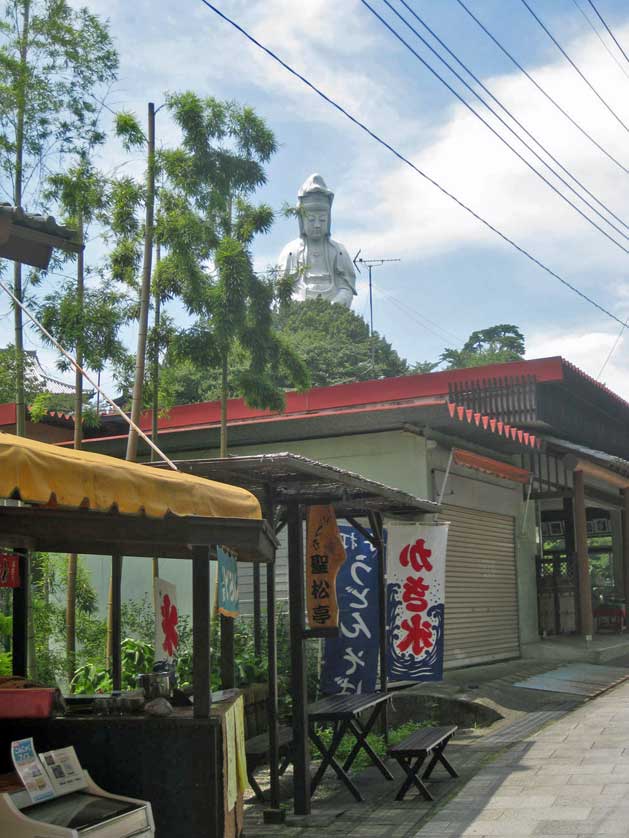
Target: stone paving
<point>570,779</point>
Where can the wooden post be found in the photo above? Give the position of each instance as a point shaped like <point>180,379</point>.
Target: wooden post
<point>570,544</point>
<point>375,521</point>
<point>228,664</point>
<point>201,631</point>
<point>20,618</point>
<point>274,755</point>
<point>116,627</point>
<point>257,612</point>
<point>583,563</point>
<point>301,758</point>
<point>625,546</point>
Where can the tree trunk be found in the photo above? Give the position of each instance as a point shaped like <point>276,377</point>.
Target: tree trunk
<point>20,398</point>
<point>73,559</point>
<point>224,383</point>
<point>145,292</point>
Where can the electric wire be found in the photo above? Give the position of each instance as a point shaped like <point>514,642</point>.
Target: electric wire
<point>574,66</point>
<point>601,39</point>
<point>611,34</point>
<point>491,128</point>
<point>538,86</point>
<point>612,350</point>
<point>434,328</point>
<point>510,114</point>
<point>499,118</point>
<point>410,164</point>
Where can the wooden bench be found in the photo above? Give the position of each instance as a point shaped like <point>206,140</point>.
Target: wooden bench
<point>413,751</point>
<point>257,751</point>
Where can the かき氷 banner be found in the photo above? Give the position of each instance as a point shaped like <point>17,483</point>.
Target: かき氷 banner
<point>416,561</point>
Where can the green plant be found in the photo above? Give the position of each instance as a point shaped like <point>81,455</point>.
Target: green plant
<point>90,679</point>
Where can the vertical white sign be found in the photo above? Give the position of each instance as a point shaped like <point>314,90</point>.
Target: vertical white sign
<point>166,620</point>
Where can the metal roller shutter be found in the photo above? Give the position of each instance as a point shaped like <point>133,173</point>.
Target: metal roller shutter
<point>481,613</point>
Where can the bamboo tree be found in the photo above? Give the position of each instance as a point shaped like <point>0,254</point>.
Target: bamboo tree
<point>53,58</point>
<point>217,168</point>
<point>86,323</point>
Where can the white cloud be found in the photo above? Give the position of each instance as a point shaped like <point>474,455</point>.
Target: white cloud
<point>589,351</point>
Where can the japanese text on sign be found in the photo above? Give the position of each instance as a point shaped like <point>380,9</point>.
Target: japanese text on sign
<point>415,601</point>
<point>325,555</point>
<point>228,599</point>
<point>350,661</point>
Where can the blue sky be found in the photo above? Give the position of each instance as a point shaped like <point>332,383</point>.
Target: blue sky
<point>455,276</point>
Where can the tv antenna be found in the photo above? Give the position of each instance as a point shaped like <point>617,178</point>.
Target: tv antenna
<point>370,264</point>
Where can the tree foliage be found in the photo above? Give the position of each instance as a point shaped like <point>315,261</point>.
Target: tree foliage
<point>334,343</point>
<point>494,345</point>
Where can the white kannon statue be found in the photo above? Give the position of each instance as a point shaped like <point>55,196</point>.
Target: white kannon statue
<point>322,266</point>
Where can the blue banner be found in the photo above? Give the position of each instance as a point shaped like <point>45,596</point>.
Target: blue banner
<point>350,661</point>
<point>228,600</point>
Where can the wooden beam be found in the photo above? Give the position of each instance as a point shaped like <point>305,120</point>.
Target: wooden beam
<point>625,545</point>
<point>20,617</point>
<point>273,710</point>
<point>116,621</point>
<point>583,563</point>
<point>83,531</point>
<point>296,598</point>
<point>201,632</point>
<point>257,613</point>
<point>228,663</point>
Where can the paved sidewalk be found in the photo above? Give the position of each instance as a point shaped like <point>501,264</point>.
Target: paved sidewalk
<point>571,779</point>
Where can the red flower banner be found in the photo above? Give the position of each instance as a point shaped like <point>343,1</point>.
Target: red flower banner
<point>166,621</point>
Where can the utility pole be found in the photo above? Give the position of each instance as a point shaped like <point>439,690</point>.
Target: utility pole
<point>370,264</point>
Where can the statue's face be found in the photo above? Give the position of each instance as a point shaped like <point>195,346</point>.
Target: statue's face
<point>316,221</point>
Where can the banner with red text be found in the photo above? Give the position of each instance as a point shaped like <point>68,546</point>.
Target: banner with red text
<point>416,563</point>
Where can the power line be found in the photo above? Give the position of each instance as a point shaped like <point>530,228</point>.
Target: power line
<point>612,350</point>
<point>611,34</point>
<point>514,60</point>
<point>601,39</point>
<point>509,113</point>
<point>411,165</point>
<point>574,66</point>
<point>498,117</point>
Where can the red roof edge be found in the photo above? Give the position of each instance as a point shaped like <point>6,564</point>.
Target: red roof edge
<point>8,414</point>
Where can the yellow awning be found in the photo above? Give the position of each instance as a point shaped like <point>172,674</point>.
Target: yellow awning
<point>47,474</point>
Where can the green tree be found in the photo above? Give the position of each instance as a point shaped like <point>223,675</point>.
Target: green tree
<point>334,343</point>
<point>32,381</point>
<point>53,59</point>
<point>214,173</point>
<point>494,345</point>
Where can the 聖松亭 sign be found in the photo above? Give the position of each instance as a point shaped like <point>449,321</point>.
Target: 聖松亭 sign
<point>350,661</point>
<point>416,559</point>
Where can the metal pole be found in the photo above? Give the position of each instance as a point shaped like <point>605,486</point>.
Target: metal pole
<point>145,290</point>
<point>301,753</point>
<point>371,319</point>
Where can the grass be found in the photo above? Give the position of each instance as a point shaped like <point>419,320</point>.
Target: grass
<point>376,740</point>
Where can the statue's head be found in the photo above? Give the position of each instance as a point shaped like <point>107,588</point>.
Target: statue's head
<point>314,201</point>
